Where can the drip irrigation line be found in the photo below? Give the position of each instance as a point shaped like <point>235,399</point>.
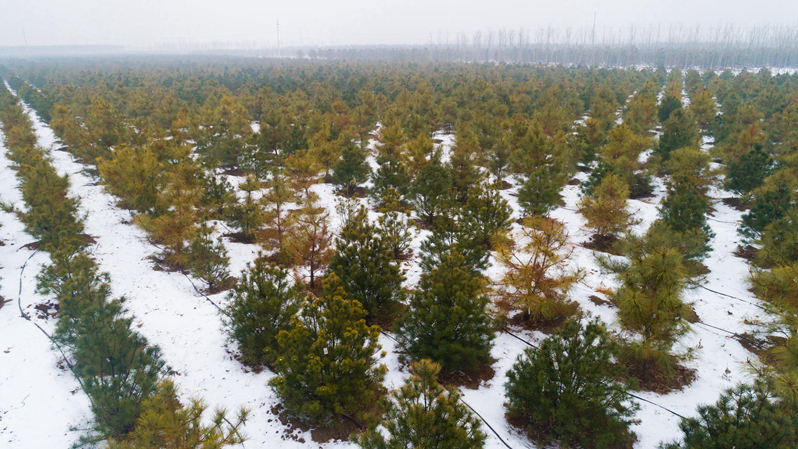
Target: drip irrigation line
<point>627,393</point>
<point>461,399</point>
<point>733,297</point>
<point>655,404</point>
<point>203,294</point>
<point>486,423</point>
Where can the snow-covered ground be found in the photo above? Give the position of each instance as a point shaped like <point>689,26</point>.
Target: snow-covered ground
<point>189,329</point>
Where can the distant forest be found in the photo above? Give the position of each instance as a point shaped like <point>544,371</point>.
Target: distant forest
<point>714,47</point>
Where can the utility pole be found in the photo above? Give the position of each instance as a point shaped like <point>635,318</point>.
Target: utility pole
<point>593,43</point>
<point>278,38</point>
<point>25,38</point>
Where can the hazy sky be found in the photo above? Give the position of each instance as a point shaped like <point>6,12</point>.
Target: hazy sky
<point>326,22</point>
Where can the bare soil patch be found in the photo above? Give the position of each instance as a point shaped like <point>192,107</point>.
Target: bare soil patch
<point>747,252</point>
<point>602,244</point>
<point>471,379</point>
<point>736,203</point>
<point>600,302</point>
<point>539,432</point>
<point>651,379</point>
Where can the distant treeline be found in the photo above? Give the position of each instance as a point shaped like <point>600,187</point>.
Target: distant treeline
<point>721,46</point>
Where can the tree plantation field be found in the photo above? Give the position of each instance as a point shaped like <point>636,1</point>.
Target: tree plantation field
<point>214,252</point>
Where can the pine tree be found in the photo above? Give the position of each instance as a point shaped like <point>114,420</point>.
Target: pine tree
<point>703,108</point>
<point>745,417</point>
<point>605,211</point>
<point>621,155</point>
<point>668,105</point>
<point>652,280</point>
<point>351,170</point>
<point>425,415</point>
<point>324,148</point>
<point>750,171</point>
<point>462,166</point>
<point>309,243</point>
<point>540,172</point>
<point>180,197</point>
<point>679,131</point>
<point>167,424</point>
<point>771,202</point>
<point>51,216</point>
<point>447,319</point>
<point>394,225</point>
<point>419,152</point>
<point>328,366</point>
<point>567,391</point>
<point>248,216</point>
<point>391,158</point>
<point>536,280</point>
<point>118,369</point>
<point>134,175</point>
<point>263,303</point>
<point>73,279</point>
<point>487,212</point>
<point>208,260</point>
<point>684,209</point>
<point>364,267</point>
<point>430,190</point>
<point>452,233</point>
<point>219,197</point>
<point>303,171</point>
<point>278,219</point>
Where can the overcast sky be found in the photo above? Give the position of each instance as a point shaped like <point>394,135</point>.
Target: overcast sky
<point>331,22</point>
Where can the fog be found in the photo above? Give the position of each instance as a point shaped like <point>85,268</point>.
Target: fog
<point>359,22</point>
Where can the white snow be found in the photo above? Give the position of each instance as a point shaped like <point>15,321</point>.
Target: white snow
<point>189,329</point>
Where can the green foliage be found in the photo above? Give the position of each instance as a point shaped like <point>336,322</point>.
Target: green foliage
<point>430,190</point>
<point>118,369</point>
<point>328,365</point>
<point>165,423</point>
<point>364,267</point>
<point>455,233</point>
<point>208,260</point>
<point>540,172</point>
<point>447,319</point>
<point>248,216</point>
<point>263,303</point>
<point>394,225</point>
<point>487,212</point>
<point>653,278</point>
<point>351,170</point>
<point>668,105</point>
<point>425,415</point>
<point>745,417</point>
<point>605,209</point>
<point>684,209</point>
<point>679,131</point>
<point>51,216</point>
<point>779,241</point>
<point>566,391</point>
<point>750,171</point>
<point>771,202</point>
<point>391,158</point>
<point>73,279</point>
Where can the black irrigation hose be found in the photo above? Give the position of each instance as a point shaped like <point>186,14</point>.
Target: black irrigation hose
<point>461,400</point>
<point>733,297</point>
<point>655,404</point>
<point>486,423</point>
<point>628,394</point>
<point>203,294</point>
